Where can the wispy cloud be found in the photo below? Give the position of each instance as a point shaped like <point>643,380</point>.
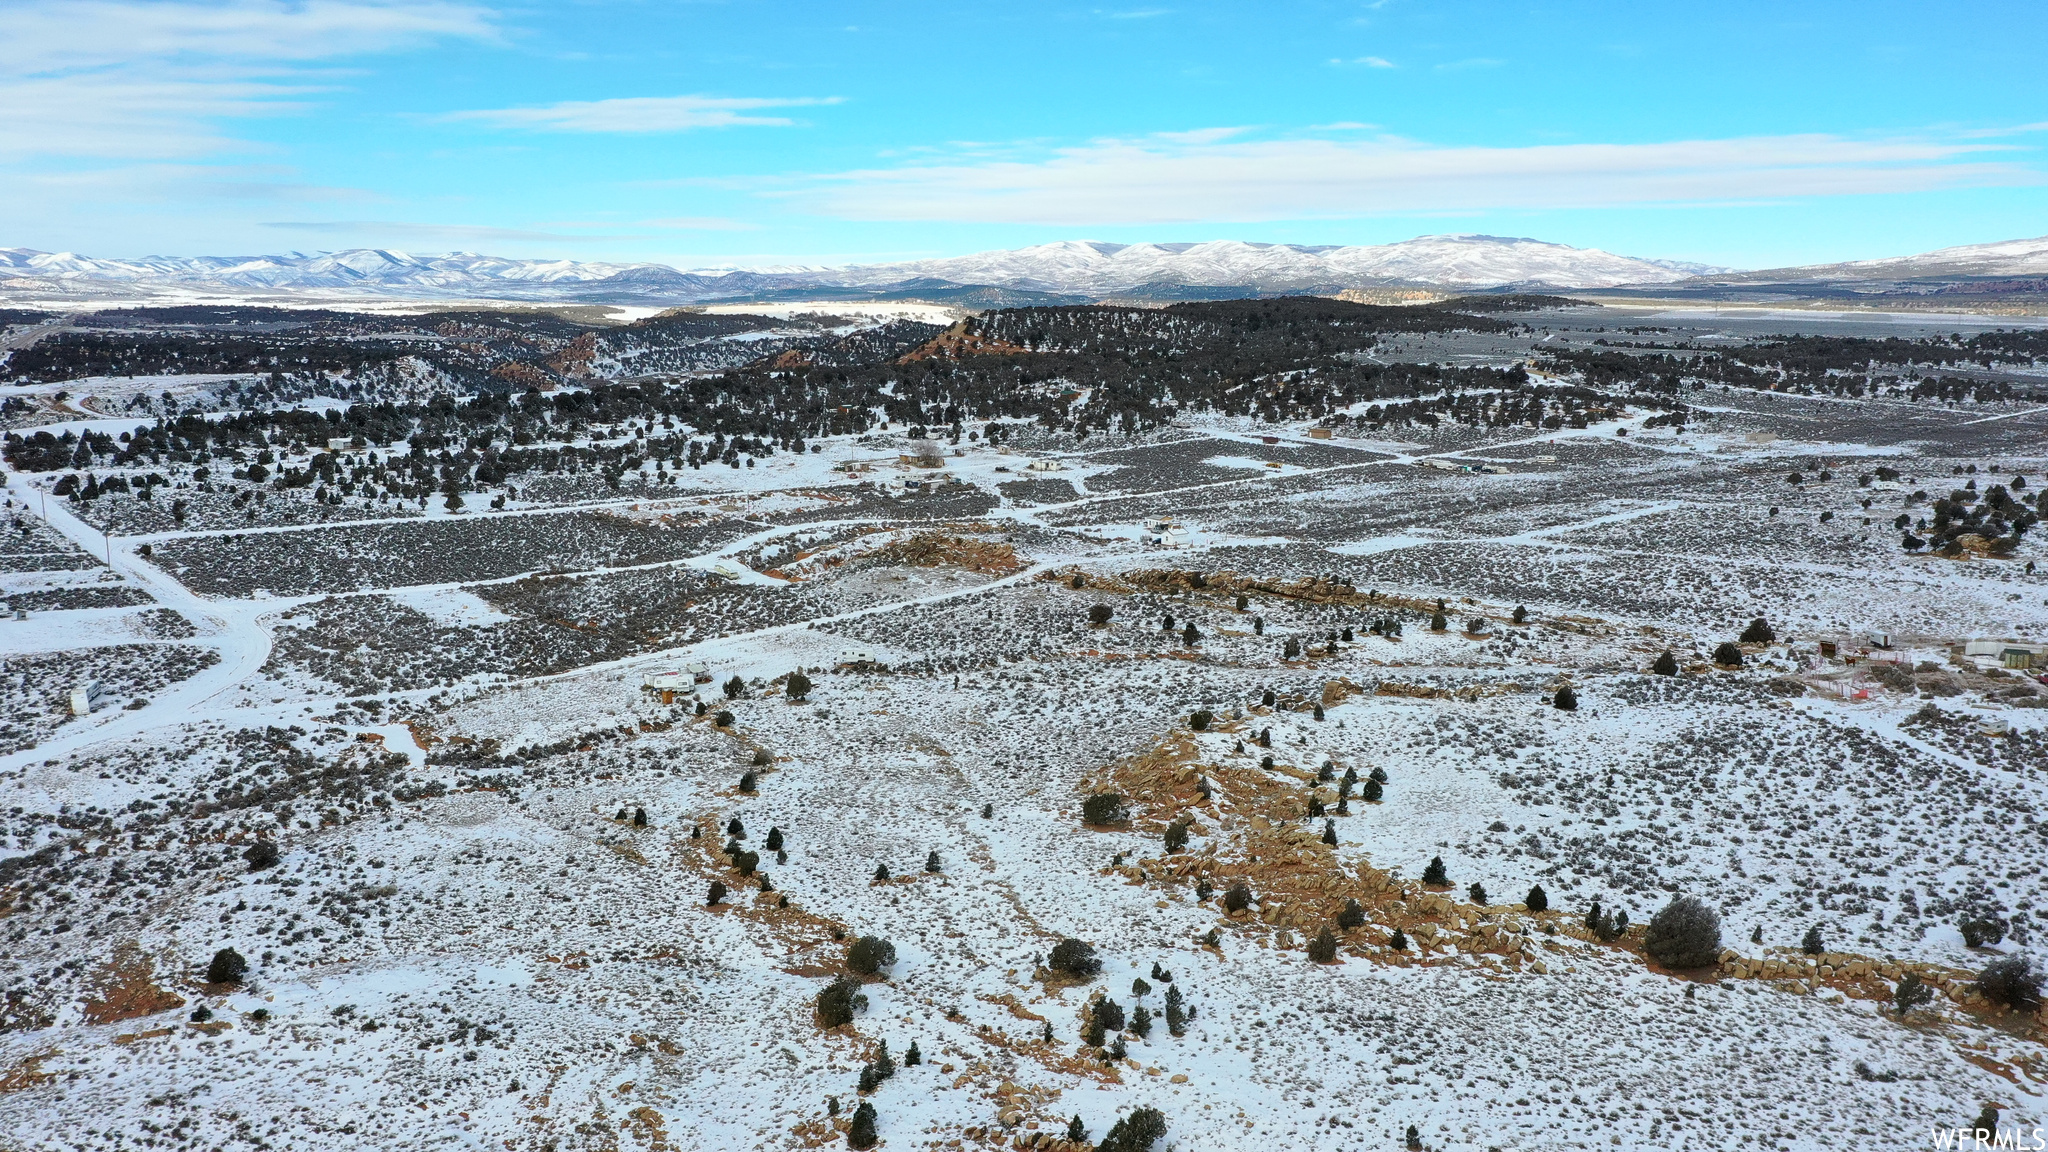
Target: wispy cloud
<point>644,113</point>
<point>1362,62</point>
<point>1197,177</point>
<point>128,80</point>
<point>411,230</point>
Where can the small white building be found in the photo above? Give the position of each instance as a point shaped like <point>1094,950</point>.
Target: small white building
<point>86,696</point>
<point>671,686</point>
<point>700,672</point>
<point>859,656</point>
<point>727,569</point>
<point>1045,466</point>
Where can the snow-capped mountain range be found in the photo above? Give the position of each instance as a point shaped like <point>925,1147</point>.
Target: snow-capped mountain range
<point>1069,268</point>
<point>1063,271</point>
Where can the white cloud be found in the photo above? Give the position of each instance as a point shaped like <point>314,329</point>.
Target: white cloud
<point>70,34</point>
<point>1364,62</point>
<point>111,79</point>
<point>1201,177</point>
<point>644,113</point>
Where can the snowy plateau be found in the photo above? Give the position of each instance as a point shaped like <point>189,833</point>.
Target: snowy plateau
<point>1497,723</point>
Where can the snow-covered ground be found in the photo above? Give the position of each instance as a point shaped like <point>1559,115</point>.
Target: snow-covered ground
<point>439,718</point>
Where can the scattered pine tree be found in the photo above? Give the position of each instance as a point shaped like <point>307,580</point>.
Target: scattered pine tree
<point>931,862</point>
<point>1665,664</point>
<point>774,841</point>
<point>1685,933</point>
<point>1521,615</point>
<point>870,954</point>
<point>861,1133</point>
<point>1538,900</point>
<point>1566,700</point>
<point>1812,943</point>
<point>262,854</point>
<point>881,874</point>
<point>1237,898</point>
<point>1399,941</point>
<point>1176,838</point>
<point>747,781</point>
<point>1758,632</point>
<point>1477,892</point>
<point>1727,655</point>
<point>1329,831</point>
<point>1136,1132</point>
<point>1372,791</point>
<point>228,967</point>
<point>1176,1011</point>
<point>1435,873</point>
<point>717,895</point>
<point>1352,917</point>
<point>1074,958</point>
<point>797,687</point>
<point>1323,949</point>
<point>1911,993</point>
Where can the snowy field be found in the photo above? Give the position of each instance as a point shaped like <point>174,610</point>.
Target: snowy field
<point>489,924</point>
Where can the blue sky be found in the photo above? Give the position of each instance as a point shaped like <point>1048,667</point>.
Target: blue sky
<point>713,134</point>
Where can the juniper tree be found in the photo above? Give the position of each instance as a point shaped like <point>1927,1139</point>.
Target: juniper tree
<point>1566,700</point>
<point>1315,806</point>
<point>1177,835</point>
<point>1237,898</point>
<point>1665,664</point>
<point>1379,775</point>
<point>1199,720</point>
<point>1756,934</point>
<point>1242,602</point>
<point>747,780</point>
<point>1189,635</point>
<point>1094,1033</point>
<point>1046,1035</point>
<point>1077,1132</point>
<point>717,895</point>
<point>1728,655</point>
<point>988,811</point>
<point>1117,1051</point>
<point>735,829</point>
<point>1161,974</point>
<point>723,719</point>
<point>1594,916</point>
<point>1168,625</point>
<point>911,1056</point>
<point>2011,982</point>
<point>881,874</point>
<point>870,954</point>
<point>1352,917</point>
<point>931,862</point>
<point>1399,941</point>
<point>1323,949</point>
<point>1267,698</point>
<point>765,885</point>
<point>1266,734</point>
<point>884,1066</point>
<point>1291,650</point>
<point>639,817</point>
<point>1076,583</point>
<point>1538,900</point>
<point>1477,892</point>
<point>621,817</point>
<point>1812,943</point>
<point>1685,933</point>
<point>227,967</point>
<point>861,1133</point>
<point>735,688</point>
<point>1176,1012</point>
<point>1204,889</point>
<point>262,854</point>
<point>1135,1132</point>
<point>1414,1141</point>
<point>1373,791</point>
<point>774,841</point>
<point>1434,873</point>
<point>1258,625</point>
<point>746,862</point>
<point>1330,833</point>
<point>1318,712</point>
<point>1347,635</point>
<point>1437,623</point>
<point>1110,1013</point>
<point>762,759</point>
<point>1911,993</point>
<point>1074,958</point>
<point>1100,614</point>
<point>1104,808</point>
<point>1758,632</point>
<point>839,1000</point>
<point>1521,615</point>
<point>797,687</point>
